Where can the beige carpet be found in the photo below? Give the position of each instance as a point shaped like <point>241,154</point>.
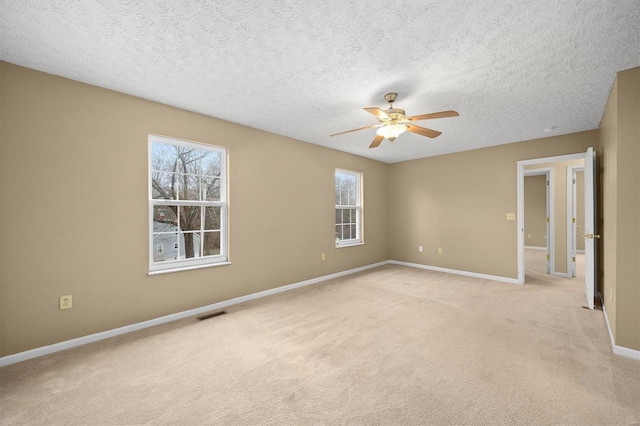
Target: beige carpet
<point>389,346</point>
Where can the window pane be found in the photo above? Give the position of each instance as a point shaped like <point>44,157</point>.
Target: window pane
<point>346,231</point>
<point>212,218</point>
<point>352,196</point>
<point>211,188</point>
<point>211,243</point>
<point>164,247</point>
<point>164,216</point>
<point>188,187</point>
<point>338,216</point>
<point>162,186</point>
<point>346,216</point>
<point>353,232</point>
<point>344,198</point>
<point>210,163</point>
<point>187,160</point>
<point>189,245</point>
<point>344,184</point>
<point>190,218</point>
<point>163,157</point>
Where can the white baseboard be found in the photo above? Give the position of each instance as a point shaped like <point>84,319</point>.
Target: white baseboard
<point>535,248</point>
<point>61,346</point>
<point>619,350</point>
<point>456,272</point>
<point>68,344</point>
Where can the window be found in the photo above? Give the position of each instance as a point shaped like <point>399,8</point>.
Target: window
<point>187,205</point>
<point>348,208</point>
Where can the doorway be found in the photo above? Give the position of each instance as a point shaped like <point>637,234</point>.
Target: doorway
<point>587,160</point>
<point>538,219</point>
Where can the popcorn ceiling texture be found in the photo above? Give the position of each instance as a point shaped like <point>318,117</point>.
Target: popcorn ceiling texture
<point>306,69</point>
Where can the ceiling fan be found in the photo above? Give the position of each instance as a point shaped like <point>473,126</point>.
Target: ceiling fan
<point>393,122</point>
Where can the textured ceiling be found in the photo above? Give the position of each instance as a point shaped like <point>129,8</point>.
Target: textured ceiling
<point>305,69</point>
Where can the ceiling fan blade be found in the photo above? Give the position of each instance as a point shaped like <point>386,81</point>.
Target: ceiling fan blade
<point>378,139</point>
<point>355,130</point>
<point>423,131</point>
<point>377,112</point>
<point>441,114</point>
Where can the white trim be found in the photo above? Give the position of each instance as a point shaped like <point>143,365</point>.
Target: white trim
<point>187,268</point>
<point>535,248</point>
<point>560,274</point>
<point>343,245</point>
<point>68,344</point>
<point>456,272</point>
<point>57,347</point>
<point>619,350</point>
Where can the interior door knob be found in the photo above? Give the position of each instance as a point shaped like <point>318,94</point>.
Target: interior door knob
<point>591,236</point>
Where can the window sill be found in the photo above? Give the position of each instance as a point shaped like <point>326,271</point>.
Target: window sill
<point>187,268</point>
<point>360,243</point>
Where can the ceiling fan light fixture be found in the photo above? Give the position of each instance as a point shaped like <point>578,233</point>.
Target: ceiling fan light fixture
<point>391,131</point>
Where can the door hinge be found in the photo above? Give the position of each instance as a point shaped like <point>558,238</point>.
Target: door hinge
<point>547,220</point>
<point>548,257</point>
<point>573,220</point>
<point>573,258</point>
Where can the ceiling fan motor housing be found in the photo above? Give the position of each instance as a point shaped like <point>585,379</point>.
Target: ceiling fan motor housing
<point>395,114</point>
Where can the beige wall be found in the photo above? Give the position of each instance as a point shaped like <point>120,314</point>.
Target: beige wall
<point>75,219</point>
<point>458,202</point>
<point>535,211</point>
<point>559,212</point>
<point>2,107</point>
<point>619,148</point>
<point>628,253</point>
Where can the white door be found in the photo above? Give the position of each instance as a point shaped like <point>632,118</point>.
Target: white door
<point>590,234</point>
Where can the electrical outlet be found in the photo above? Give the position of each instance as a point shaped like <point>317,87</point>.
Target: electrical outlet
<point>323,256</point>
<point>420,249</point>
<point>528,235</point>
<point>66,302</point>
<point>439,250</point>
<point>511,216</point>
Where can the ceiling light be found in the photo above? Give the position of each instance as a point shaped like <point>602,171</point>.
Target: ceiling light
<point>391,131</point>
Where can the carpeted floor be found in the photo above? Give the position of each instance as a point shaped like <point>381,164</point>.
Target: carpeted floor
<point>391,346</point>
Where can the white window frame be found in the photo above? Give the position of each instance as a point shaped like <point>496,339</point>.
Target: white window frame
<point>357,206</point>
<point>196,262</point>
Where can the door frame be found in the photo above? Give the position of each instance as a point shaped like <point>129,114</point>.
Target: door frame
<point>520,200</point>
